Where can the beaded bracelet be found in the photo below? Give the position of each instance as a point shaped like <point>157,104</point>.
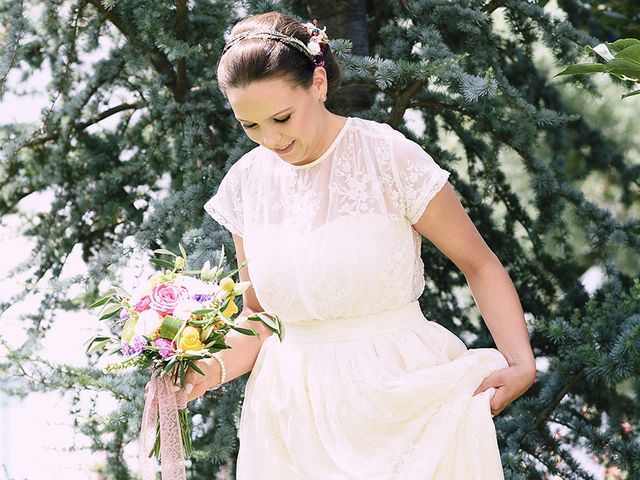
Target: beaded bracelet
<point>223,371</point>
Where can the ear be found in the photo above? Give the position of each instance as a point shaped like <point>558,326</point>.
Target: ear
<point>320,83</point>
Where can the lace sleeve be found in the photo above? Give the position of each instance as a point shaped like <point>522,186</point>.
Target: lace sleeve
<point>418,176</point>
<point>226,205</point>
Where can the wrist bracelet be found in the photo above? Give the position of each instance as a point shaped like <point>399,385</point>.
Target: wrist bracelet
<point>223,371</point>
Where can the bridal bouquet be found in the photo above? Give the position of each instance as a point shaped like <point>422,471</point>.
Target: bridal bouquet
<point>177,317</point>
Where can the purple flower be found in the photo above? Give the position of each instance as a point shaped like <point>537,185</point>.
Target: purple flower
<point>167,347</point>
<point>133,346</point>
<point>202,297</point>
<point>124,314</point>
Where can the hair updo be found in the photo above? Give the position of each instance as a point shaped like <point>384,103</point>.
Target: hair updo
<point>255,59</point>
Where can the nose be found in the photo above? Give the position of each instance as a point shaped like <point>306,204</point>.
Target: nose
<point>272,139</point>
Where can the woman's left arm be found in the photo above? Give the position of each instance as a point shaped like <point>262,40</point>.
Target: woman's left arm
<point>446,224</point>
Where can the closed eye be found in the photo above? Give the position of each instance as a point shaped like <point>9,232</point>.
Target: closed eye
<point>278,120</point>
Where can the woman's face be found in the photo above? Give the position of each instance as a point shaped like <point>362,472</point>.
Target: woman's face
<point>276,115</point>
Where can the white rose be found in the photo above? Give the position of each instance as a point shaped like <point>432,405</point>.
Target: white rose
<point>148,322</point>
<point>195,286</point>
<point>184,308</point>
<point>314,48</point>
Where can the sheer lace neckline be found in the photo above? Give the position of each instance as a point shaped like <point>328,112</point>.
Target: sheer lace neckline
<point>327,152</point>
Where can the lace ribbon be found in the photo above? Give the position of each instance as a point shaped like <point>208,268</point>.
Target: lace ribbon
<point>162,403</point>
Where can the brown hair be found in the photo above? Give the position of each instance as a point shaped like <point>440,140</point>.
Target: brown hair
<point>255,59</point>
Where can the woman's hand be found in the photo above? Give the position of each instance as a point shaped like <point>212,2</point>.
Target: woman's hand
<point>196,384</point>
<point>510,383</point>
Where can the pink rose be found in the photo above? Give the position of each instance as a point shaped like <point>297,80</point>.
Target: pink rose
<point>165,297</point>
<point>143,304</point>
<point>167,347</point>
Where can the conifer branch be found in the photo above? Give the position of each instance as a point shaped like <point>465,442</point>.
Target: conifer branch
<point>159,61</point>
<point>82,125</point>
<point>181,20</point>
<point>545,413</point>
<point>402,101</point>
<point>493,5</point>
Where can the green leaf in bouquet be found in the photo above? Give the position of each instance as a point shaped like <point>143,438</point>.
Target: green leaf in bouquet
<point>195,367</point>
<point>121,291</point>
<point>170,327</point>
<point>164,251</point>
<point>218,345</point>
<point>168,367</point>
<point>110,311</point>
<point>98,342</point>
<point>161,263</point>
<point>147,362</point>
<point>129,328</point>
<point>273,324</point>
<point>101,301</point>
<point>221,259</point>
<point>203,311</point>
<point>240,267</point>
<point>183,251</point>
<point>246,331</point>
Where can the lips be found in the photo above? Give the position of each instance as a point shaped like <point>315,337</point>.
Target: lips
<point>286,149</point>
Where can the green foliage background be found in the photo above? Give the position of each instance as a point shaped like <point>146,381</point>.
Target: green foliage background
<point>136,137</point>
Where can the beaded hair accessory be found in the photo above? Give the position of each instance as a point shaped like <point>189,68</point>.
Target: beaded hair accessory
<point>314,49</point>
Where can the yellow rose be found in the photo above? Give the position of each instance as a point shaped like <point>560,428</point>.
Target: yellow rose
<point>231,309</point>
<point>227,284</point>
<point>190,339</point>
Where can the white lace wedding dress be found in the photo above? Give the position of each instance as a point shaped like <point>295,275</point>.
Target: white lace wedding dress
<point>364,386</point>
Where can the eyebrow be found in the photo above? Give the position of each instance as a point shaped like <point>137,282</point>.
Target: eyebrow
<point>275,115</point>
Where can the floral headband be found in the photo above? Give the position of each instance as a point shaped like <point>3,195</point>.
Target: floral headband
<point>314,49</point>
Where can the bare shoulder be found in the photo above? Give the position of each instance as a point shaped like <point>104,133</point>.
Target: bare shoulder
<point>446,224</point>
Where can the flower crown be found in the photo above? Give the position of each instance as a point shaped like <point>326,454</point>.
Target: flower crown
<point>314,49</point>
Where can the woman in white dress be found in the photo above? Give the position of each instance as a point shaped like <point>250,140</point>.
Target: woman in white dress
<point>330,212</point>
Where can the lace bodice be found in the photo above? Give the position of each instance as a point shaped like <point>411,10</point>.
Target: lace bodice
<point>332,238</point>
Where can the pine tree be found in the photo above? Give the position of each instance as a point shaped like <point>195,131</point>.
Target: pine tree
<point>136,137</point>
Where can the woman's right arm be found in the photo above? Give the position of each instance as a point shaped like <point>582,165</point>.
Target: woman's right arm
<point>241,357</point>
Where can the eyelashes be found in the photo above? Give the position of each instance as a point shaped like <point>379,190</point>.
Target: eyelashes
<point>283,120</point>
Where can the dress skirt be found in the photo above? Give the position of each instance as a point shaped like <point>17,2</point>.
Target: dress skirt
<point>387,396</point>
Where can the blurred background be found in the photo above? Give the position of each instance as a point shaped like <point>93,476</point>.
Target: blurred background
<point>113,135</point>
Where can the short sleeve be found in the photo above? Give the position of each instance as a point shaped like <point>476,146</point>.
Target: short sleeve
<point>418,176</point>
<point>226,205</point>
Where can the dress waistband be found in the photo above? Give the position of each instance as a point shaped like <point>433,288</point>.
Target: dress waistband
<point>349,328</point>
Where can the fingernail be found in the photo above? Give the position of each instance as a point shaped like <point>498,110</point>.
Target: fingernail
<point>188,388</point>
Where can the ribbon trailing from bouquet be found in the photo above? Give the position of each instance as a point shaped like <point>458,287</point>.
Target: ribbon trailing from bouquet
<point>162,403</point>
